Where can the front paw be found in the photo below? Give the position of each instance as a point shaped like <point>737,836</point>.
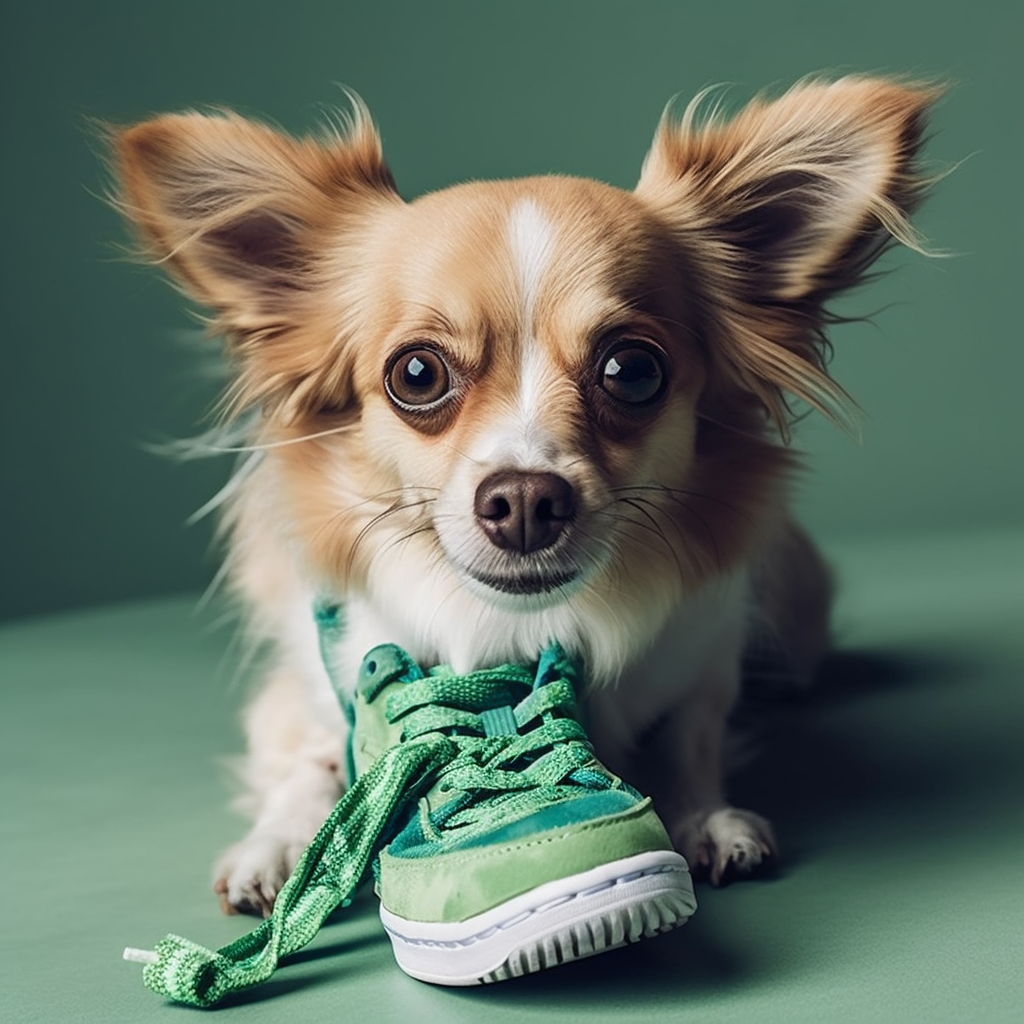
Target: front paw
<point>249,875</point>
<point>725,845</point>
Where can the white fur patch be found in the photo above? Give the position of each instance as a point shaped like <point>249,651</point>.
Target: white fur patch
<point>532,241</point>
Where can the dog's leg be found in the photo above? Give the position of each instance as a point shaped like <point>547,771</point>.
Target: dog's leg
<point>791,631</point>
<point>719,842</point>
<point>292,780</point>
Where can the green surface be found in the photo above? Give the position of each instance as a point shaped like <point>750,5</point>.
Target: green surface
<point>100,356</point>
<point>896,790</point>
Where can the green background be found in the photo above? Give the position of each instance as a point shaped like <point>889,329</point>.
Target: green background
<point>100,358</point>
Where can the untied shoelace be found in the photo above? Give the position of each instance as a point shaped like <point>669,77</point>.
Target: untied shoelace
<point>443,741</point>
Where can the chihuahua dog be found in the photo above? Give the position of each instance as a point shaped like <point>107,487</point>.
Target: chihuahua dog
<point>516,411</point>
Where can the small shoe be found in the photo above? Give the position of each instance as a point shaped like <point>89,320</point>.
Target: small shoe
<point>499,844</point>
<point>524,852</point>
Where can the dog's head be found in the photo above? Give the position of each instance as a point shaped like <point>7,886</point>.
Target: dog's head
<point>536,408</point>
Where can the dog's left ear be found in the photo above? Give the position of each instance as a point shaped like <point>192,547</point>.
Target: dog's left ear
<point>783,206</point>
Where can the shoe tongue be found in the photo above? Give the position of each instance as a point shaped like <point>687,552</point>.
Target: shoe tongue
<point>555,663</point>
<point>500,721</point>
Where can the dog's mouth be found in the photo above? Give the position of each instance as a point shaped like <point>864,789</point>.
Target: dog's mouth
<point>525,582</point>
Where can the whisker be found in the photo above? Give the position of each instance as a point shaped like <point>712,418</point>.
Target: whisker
<point>465,455</point>
<point>712,539</point>
<point>376,520</point>
<point>621,517</point>
<point>739,431</point>
<point>378,497</point>
<point>427,528</point>
<point>638,502</point>
<point>657,508</point>
<point>271,445</point>
<point>673,492</point>
<point>652,526</point>
<point>576,461</point>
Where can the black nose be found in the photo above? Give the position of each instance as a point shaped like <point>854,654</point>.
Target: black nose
<point>523,512</point>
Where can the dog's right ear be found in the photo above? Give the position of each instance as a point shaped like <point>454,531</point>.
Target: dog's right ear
<point>251,222</point>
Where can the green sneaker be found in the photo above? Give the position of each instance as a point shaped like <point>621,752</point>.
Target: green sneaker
<point>525,852</point>
<point>499,844</point>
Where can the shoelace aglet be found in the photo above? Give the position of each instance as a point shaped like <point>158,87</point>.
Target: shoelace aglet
<point>139,956</point>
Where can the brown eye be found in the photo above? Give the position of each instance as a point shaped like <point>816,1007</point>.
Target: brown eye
<point>417,378</point>
<point>634,373</point>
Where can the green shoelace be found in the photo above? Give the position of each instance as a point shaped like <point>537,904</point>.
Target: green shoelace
<point>447,741</point>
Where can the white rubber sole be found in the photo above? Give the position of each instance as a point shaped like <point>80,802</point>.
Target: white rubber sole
<point>568,919</point>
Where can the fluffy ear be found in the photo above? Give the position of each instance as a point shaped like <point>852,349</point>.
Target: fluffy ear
<point>244,217</point>
<point>783,206</point>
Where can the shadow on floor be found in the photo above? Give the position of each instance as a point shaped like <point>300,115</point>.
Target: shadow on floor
<point>860,745</point>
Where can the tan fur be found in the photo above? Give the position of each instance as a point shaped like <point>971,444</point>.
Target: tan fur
<point>839,156</point>
<point>722,259</point>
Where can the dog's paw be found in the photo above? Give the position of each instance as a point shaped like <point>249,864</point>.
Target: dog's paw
<point>249,875</point>
<point>725,845</point>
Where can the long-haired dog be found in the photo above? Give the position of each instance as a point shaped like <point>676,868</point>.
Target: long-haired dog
<point>516,411</point>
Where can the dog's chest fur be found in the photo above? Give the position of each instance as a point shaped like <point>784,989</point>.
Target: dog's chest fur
<point>700,641</point>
